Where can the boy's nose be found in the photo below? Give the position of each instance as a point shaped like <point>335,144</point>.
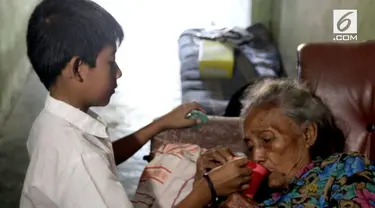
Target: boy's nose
<point>119,73</point>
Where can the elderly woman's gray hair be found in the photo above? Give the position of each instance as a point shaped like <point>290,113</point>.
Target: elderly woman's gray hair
<point>300,104</point>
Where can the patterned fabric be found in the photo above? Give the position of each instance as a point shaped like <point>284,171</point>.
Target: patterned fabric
<point>343,180</point>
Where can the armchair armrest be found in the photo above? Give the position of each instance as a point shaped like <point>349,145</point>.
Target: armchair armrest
<point>219,131</point>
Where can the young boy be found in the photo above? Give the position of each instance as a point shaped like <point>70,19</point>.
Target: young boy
<point>71,45</point>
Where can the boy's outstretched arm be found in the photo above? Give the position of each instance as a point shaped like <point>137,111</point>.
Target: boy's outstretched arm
<point>127,146</point>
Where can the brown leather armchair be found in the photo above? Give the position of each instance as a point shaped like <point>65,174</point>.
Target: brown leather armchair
<point>343,75</point>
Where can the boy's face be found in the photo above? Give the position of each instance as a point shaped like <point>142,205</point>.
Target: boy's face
<point>102,79</point>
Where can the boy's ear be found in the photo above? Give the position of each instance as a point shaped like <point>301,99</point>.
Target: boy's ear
<point>76,69</point>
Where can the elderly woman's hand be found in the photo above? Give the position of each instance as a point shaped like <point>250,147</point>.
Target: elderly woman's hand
<point>211,159</point>
<point>221,181</point>
<point>237,200</point>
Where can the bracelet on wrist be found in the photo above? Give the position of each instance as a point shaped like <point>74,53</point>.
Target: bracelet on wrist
<point>214,197</point>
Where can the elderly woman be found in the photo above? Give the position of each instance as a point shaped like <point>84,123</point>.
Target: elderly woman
<point>292,133</point>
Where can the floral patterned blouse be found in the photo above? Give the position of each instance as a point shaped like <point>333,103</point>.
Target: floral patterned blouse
<point>342,180</point>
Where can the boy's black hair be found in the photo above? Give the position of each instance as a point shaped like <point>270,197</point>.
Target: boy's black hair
<point>58,30</point>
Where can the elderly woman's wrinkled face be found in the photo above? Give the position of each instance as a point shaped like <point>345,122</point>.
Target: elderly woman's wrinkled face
<point>275,141</point>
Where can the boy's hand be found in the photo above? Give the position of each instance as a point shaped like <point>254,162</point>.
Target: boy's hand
<point>177,117</point>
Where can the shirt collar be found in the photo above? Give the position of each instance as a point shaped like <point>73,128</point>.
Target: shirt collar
<point>83,121</point>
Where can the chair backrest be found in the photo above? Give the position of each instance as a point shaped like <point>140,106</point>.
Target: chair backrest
<point>343,75</point>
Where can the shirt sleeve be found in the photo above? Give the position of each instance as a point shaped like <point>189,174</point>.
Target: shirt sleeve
<point>354,184</point>
<point>91,183</point>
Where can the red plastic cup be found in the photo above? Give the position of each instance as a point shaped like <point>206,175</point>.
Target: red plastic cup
<point>256,178</point>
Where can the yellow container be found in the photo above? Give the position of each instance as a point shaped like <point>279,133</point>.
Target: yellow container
<point>216,60</point>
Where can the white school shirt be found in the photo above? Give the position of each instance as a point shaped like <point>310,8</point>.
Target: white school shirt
<point>71,162</point>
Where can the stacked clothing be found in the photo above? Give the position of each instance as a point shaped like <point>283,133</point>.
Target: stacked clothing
<point>255,56</point>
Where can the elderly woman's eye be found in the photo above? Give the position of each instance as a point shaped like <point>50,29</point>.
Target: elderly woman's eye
<point>250,148</point>
<point>248,143</point>
<point>266,136</point>
<point>267,139</point>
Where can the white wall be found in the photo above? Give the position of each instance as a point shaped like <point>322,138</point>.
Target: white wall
<point>148,57</point>
<point>14,64</point>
